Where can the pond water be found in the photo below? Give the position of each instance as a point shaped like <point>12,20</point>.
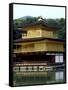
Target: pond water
<point>30,78</point>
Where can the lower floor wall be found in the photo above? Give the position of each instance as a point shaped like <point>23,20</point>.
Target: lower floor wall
<point>31,68</point>
<point>39,59</point>
<point>38,62</point>
<point>37,68</point>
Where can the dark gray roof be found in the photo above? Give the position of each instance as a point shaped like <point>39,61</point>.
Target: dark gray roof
<point>37,39</point>
<point>42,22</point>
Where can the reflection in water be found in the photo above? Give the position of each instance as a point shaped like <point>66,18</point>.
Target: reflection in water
<point>47,77</point>
<point>59,75</point>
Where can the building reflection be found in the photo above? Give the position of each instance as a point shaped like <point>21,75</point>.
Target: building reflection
<point>36,77</point>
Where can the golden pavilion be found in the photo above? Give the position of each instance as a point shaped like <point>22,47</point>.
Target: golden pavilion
<point>39,49</point>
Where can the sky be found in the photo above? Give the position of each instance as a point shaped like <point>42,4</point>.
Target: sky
<point>35,11</point>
